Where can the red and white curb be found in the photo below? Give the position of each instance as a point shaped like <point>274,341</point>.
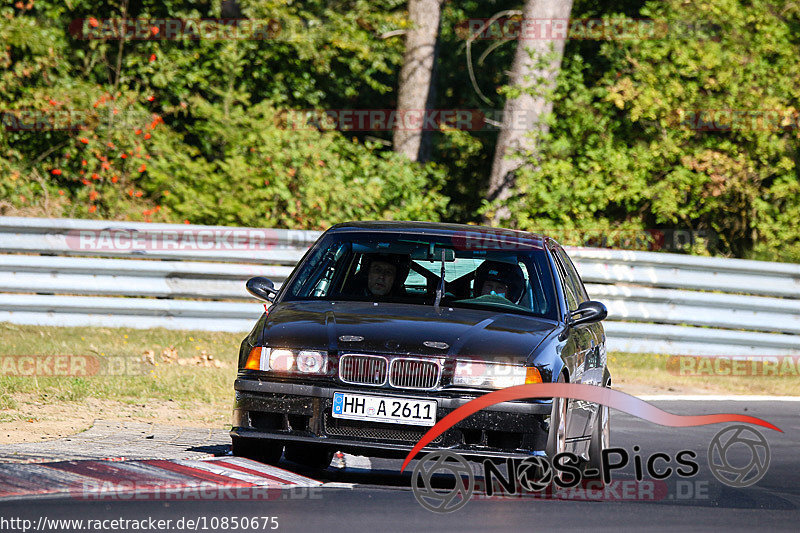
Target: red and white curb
<point>216,478</point>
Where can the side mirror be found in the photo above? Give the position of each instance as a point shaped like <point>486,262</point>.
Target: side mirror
<point>587,313</point>
<point>262,288</point>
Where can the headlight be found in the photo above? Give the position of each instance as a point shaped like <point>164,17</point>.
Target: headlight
<point>493,375</point>
<point>311,362</point>
<point>287,360</point>
<point>281,360</point>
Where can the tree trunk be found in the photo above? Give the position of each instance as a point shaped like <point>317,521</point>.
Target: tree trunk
<point>525,114</point>
<point>416,75</point>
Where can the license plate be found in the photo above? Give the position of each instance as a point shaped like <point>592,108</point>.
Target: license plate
<point>384,409</point>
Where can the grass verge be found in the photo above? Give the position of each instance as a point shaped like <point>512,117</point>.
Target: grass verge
<point>126,387</point>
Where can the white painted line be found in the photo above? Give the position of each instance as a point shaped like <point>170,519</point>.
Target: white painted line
<point>357,461</point>
<point>269,470</point>
<point>230,473</point>
<point>716,398</point>
<point>338,485</point>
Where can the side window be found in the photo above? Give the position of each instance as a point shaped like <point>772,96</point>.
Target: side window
<point>569,288</point>
<point>572,273</point>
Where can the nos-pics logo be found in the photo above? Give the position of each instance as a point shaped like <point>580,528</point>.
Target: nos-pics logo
<point>443,481</point>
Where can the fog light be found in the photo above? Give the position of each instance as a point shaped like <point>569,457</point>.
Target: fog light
<point>281,360</point>
<point>311,362</point>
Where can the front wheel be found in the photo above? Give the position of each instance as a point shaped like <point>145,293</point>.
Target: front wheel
<point>601,438</point>
<point>263,450</point>
<point>557,434</point>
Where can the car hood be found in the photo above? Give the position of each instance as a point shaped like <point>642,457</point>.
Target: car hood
<point>404,329</point>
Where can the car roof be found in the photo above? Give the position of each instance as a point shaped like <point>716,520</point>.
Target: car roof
<point>438,228</point>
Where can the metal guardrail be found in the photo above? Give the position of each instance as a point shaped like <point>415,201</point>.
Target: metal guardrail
<point>171,275</point>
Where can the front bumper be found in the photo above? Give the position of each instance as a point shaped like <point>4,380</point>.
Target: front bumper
<point>293,412</point>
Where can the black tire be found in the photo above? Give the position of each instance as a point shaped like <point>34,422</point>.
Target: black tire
<point>557,434</point>
<point>263,450</point>
<point>601,438</point>
<point>309,455</point>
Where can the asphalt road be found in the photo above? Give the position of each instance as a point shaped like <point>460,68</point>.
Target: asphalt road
<point>380,498</point>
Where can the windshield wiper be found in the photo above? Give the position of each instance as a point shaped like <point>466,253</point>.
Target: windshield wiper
<point>440,288</point>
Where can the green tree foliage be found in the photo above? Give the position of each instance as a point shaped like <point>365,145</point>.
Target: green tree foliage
<point>186,129</point>
<point>695,127</point>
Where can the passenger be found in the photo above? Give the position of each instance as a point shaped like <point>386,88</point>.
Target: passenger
<point>500,279</point>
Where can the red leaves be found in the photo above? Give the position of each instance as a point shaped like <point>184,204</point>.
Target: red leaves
<point>147,136</point>
<point>137,132</point>
<point>114,179</point>
<point>151,98</point>
<point>93,22</point>
<point>93,195</point>
<point>84,140</point>
<point>152,57</point>
<point>142,168</point>
<point>60,192</point>
<point>92,208</point>
<point>95,176</point>
<point>103,100</point>
<point>123,155</point>
<point>56,172</point>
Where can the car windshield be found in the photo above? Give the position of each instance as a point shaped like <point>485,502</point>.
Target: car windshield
<point>407,268</point>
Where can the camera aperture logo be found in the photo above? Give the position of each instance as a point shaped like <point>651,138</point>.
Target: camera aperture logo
<point>450,499</point>
<point>726,468</point>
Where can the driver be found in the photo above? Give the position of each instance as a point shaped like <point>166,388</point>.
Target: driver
<point>386,274</point>
<point>501,279</point>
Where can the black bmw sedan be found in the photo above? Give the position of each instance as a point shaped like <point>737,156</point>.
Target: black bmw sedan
<point>384,328</point>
